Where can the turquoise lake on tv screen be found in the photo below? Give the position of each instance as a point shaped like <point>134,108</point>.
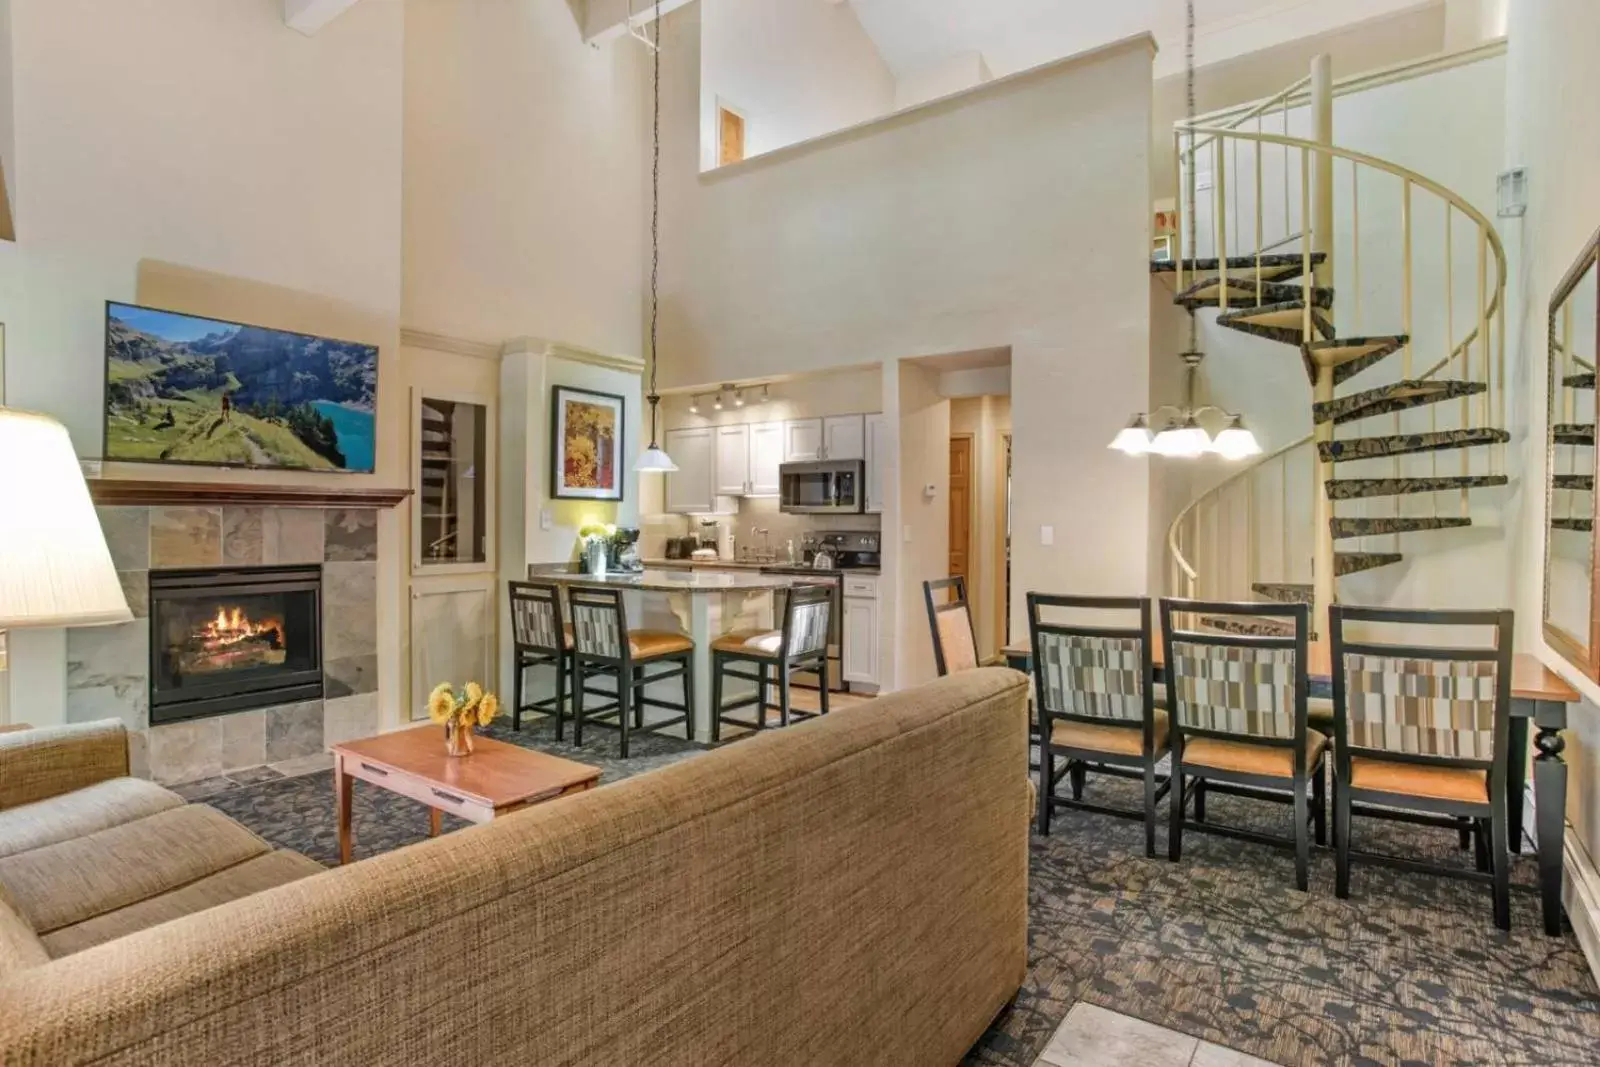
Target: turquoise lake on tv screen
<point>355,431</point>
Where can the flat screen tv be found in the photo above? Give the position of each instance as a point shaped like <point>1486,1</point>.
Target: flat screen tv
<point>186,389</point>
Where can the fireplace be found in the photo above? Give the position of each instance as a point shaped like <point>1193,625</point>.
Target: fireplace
<point>233,638</point>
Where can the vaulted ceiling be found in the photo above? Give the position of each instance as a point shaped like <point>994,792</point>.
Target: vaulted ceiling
<point>1013,35</point>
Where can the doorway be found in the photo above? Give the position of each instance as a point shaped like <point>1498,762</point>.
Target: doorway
<point>961,512</point>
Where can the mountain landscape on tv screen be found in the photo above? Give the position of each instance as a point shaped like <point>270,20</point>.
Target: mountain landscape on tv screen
<point>190,390</point>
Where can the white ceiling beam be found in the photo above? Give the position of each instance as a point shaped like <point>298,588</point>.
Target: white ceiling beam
<point>309,16</point>
<point>606,20</point>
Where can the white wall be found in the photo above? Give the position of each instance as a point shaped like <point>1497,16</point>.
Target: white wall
<point>524,210</point>
<point>940,77</point>
<point>796,69</point>
<point>1553,130</point>
<point>923,541</point>
<point>1015,216</point>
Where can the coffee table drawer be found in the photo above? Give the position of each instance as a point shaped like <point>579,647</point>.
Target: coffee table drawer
<point>424,792</point>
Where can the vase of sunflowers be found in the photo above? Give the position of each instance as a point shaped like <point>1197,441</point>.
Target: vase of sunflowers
<point>461,713</point>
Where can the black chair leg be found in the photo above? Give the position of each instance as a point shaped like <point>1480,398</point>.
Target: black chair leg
<point>1480,837</point>
<point>563,676</point>
<point>625,694</point>
<point>1302,838</point>
<point>1200,800</point>
<point>1341,838</point>
<point>822,693</point>
<point>1150,808</point>
<point>517,680</point>
<point>688,696</point>
<point>1176,801</point>
<point>1079,775</point>
<point>577,700</point>
<point>782,669</point>
<point>1500,862</point>
<point>1319,805</point>
<point>1467,837</point>
<point>638,705</point>
<point>1044,791</point>
<point>716,698</point>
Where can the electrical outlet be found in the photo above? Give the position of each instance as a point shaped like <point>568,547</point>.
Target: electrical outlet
<point>1047,535</point>
<point>906,536</point>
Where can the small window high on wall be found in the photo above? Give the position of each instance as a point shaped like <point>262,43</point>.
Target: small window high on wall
<point>730,135</point>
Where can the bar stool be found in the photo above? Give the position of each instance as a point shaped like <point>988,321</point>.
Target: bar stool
<point>801,644</point>
<point>602,645</point>
<point>539,640</point>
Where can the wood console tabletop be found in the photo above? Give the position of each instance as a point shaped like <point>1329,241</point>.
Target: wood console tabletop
<point>495,780</point>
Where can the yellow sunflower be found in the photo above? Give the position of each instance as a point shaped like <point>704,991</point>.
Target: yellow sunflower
<point>474,693</point>
<point>488,708</point>
<point>441,703</point>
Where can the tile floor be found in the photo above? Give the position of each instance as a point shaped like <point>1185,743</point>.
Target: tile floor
<point>1092,1036</point>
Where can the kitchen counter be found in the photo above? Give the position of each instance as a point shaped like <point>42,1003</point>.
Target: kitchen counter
<point>705,580</point>
<point>742,565</point>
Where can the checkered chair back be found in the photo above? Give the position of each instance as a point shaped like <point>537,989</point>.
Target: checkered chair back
<point>806,618</point>
<point>536,616</point>
<point>955,643</point>
<point>1090,672</point>
<point>1242,685</point>
<point>599,625</point>
<point>1451,704</point>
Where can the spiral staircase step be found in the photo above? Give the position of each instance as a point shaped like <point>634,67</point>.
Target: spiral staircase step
<point>1275,266</point>
<point>1582,482</point>
<point>1355,562</point>
<point>1396,396</point>
<point>1579,381</point>
<point>1286,592</point>
<point>1352,527</point>
<point>1283,322</point>
<point>1581,525</point>
<point>1360,488</point>
<point>1405,444</point>
<point>1230,624</point>
<point>1242,294</point>
<point>1574,433</point>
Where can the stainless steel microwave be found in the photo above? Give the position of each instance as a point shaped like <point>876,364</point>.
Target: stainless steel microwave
<point>826,487</point>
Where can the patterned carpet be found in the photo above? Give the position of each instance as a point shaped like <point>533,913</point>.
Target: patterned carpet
<point>1410,970</point>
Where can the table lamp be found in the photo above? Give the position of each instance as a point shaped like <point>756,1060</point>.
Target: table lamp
<point>55,568</point>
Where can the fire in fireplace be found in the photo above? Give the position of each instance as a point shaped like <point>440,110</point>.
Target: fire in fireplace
<point>231,639</point>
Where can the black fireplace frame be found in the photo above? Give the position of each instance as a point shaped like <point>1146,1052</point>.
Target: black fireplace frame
<point>204,699</point>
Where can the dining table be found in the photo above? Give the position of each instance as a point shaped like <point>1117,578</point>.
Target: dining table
<point>1539,698</point>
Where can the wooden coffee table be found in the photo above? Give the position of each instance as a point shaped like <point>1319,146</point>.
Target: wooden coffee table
<point>495,780</point>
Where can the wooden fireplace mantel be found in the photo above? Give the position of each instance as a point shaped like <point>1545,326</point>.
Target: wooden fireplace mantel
<point>129,492</point>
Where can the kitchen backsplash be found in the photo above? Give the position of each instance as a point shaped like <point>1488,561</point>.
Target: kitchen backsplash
<point>754,513</point>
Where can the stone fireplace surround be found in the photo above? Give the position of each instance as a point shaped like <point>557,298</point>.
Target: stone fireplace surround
<point>108,666</point>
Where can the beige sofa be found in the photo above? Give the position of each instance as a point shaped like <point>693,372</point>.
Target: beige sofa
<point>849,891</point>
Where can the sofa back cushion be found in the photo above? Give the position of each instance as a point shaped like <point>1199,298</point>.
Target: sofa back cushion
<point>849,891</point>
<point>20,947</point>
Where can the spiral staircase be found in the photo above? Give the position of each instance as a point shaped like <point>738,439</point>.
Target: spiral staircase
<point>1407,394</point>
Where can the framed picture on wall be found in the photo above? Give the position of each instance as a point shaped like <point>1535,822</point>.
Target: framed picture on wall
<point>586,445</point>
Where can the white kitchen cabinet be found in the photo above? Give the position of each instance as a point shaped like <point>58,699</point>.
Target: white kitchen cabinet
<point>844,437</point>
<point>802,440</point>
<point>766,453</point>
<point>859,651</point>
<point>733,460</point>
<point>877,429</point>
<point>692,487</point>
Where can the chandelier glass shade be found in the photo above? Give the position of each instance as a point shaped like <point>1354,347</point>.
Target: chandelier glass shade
<point>1181,434</point>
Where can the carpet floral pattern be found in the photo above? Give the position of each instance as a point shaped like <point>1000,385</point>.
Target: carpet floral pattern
<point>1409,970</point>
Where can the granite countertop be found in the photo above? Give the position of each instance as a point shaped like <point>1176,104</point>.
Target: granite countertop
<point>743,565</point>
<point>695,580</point>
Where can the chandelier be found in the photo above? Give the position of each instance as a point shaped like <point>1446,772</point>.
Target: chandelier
<point>1181,434</point>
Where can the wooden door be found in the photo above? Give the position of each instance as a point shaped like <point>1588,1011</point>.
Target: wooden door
<point>961,489</point>
<point>730,137</point>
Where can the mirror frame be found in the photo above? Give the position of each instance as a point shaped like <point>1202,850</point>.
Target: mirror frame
<point>1584,656</point>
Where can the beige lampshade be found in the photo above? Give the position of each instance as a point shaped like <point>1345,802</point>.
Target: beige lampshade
<point>55,569</point>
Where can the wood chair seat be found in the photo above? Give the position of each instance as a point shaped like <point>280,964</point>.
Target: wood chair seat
<point>646,645</point>
<point>1420,780</point>
<point>763,643</point>
<point>1125,740</point>
<point>1242,757</point>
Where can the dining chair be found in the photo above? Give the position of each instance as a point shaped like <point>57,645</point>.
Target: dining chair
<point>539,639</point>
<point>955,640</point>
<point>603,646</point>
<point>1423,731</point>
<point>1239,726</point>
<point>799,644</point>
<point>1097,711</point>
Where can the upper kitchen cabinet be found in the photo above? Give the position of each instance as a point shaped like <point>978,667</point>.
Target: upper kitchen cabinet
<point>844,437</point>
<point>802,440</point>
<point>733,460</point>
<point>766,453</point>
<point>692,487</point>
<point>877,428</point>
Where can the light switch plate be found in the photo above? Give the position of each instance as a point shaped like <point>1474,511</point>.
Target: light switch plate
<point>906,536</point>
<point>1047,535</point>
<point>546,520</point>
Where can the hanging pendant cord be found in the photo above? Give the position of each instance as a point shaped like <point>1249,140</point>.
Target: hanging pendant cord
<point>655,230</point>
<point>1188,58</point>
